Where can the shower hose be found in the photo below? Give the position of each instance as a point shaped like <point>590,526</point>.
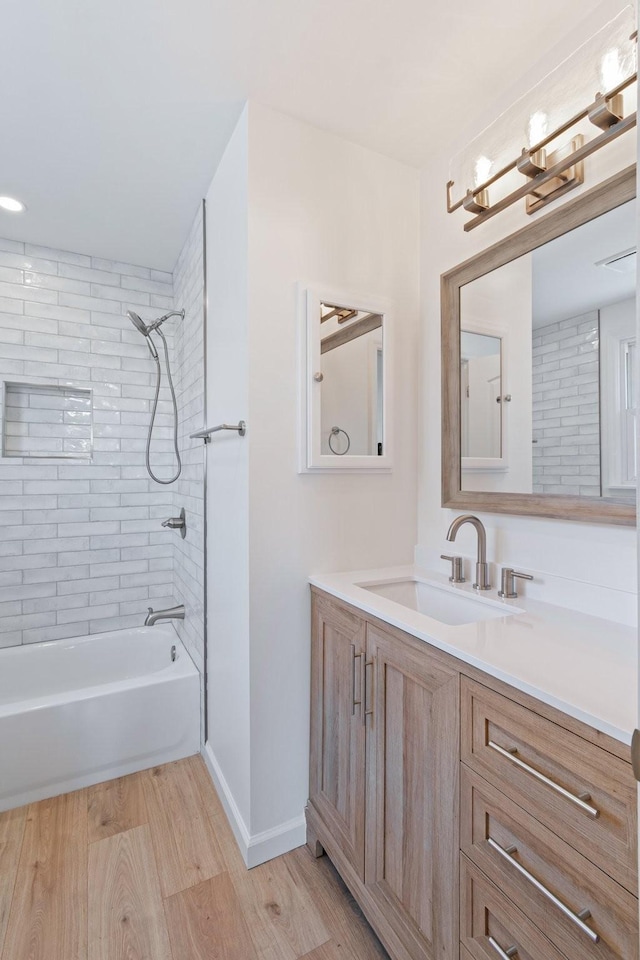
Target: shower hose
<point>154,411</point>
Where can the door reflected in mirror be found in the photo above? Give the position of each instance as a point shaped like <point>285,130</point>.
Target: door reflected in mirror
<point>480,396</point>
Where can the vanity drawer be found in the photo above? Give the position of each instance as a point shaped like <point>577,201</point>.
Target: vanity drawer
<point>580,791</point>
<point>489,922</point>
<point>548,880</point>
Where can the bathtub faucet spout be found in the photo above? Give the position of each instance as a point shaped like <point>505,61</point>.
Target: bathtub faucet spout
<point>171,613</point>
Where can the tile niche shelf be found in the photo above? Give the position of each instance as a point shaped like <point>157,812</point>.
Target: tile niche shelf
<point>46,421</point>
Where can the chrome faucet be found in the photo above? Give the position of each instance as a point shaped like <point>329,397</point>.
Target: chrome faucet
<point>482,568</point>
<point>171,613</point>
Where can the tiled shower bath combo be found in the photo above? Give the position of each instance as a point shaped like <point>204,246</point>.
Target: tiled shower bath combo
<point>83,551</point>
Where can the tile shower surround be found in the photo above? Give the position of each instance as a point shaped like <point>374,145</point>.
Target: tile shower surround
<point>81,547</point>
<point>566,415</point>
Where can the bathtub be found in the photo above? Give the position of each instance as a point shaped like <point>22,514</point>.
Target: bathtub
<point>77,712</point>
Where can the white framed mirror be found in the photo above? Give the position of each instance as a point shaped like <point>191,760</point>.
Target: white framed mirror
<point>345,381</point>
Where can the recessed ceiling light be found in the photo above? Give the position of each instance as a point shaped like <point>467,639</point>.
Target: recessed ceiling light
<point>11,205</point>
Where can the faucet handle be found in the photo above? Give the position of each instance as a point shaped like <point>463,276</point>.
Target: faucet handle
<point>457,569</point>
<point>508,586</point>
<point>177,523</point>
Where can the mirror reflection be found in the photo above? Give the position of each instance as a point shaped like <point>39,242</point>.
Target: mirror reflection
<point>351,366</point>
<point>481,395</point>
<point>549,366</point>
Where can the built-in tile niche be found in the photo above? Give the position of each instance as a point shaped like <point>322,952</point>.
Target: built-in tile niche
<point>46,420</point>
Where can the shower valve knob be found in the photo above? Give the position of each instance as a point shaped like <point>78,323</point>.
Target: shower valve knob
<point>177,523</point>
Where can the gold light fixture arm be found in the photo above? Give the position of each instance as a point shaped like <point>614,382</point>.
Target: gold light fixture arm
<point>555,171</point>
<point>542,169</point>
<point>452,206</point>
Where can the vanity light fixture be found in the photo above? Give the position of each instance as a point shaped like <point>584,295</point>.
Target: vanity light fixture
<point>542,117</point>
<point>11,205</point>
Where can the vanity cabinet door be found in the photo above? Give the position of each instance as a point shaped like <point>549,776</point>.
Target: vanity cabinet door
<point>412,803</point>
<point>337,773</point>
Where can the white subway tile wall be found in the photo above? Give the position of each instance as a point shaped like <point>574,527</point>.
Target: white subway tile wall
<point>82,549</point>
<point>566,415</point>
<point>188,491</point>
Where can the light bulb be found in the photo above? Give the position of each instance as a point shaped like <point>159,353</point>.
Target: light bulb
<point>538,127</point>
<point>482,170</point>
<point>611,69</point>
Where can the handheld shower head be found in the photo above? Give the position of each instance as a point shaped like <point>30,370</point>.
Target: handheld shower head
<point>138,322</point>
<point>145,330</point>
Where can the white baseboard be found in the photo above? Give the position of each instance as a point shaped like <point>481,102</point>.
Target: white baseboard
<point>273,843</point>
<point>234,816</point>
<point>263,846</point>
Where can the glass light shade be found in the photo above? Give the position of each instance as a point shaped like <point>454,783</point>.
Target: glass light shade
<point>598,66</point>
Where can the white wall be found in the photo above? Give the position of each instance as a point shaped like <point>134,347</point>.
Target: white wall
<point>324,210</point>
<point>319,209</point>
<point>587,566</point>
<point>228,475</point>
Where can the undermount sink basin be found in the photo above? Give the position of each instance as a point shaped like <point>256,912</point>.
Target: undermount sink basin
<point>439,602</point>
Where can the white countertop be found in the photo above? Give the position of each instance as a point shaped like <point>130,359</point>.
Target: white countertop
<point>583,665</point>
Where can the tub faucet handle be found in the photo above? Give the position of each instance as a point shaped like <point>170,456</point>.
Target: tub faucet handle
<point>177,523</point>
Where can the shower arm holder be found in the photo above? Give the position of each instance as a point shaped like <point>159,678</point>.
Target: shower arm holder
<point>240,427</point>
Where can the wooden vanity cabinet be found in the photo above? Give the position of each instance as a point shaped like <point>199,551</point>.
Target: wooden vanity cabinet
<point>384,777</point>
<point>434,786</point>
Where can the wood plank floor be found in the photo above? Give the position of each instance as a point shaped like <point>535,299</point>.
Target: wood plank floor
<point>146,868</point>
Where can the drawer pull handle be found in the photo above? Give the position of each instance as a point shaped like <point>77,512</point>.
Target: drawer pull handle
<point>369,691</point>
<point>577,918</point>
<point>579,801</point>
<point>507,954</point>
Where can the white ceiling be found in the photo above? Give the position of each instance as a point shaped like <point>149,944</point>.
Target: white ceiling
<point>115,114</point>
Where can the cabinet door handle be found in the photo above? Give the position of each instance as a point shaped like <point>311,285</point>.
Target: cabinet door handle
<point>576,918</point>
<point>354,689</point>
<point>579,801</point>
<point>369,689</point>
<point>507,954</point>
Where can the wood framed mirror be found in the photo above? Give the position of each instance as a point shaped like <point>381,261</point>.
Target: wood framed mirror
<point>540,366</point>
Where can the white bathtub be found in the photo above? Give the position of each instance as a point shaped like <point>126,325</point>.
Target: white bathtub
<point>77,712</point>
